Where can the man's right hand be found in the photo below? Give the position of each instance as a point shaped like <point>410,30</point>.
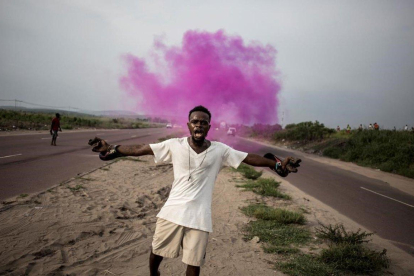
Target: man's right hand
<point>106,152</point>
<point>99,145</point>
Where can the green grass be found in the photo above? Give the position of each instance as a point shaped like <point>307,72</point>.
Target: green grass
<point>276,227</point>
<point>23,195</point>
<point>306,265</point>
<point>264,187</point>
<point>76,188</point>
<point>249,172</point>
<point>277,234</point>
<point>281,216</point>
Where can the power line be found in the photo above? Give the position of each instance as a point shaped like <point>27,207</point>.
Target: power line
<point>40,105</point>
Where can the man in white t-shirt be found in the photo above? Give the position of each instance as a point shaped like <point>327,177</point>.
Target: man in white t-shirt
<point>185,219</point>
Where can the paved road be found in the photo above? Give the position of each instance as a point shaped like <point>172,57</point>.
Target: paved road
<point>28,163</point>
<point>40,166</point>
<point>359,198</point>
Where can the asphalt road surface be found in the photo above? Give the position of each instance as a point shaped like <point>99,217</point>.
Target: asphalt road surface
<point>28,163</point>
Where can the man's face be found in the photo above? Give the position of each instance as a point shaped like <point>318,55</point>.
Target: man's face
<point>199,125</point>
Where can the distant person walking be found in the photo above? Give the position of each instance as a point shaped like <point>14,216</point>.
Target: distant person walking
<point>348,129</point>
<point>376,126</point>
<point>360,127</point>
<point>370,127</point>
<point>406,128</point>
<point>338,129</point>
<point>54,128</point>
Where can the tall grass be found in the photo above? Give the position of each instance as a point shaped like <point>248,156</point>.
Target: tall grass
<point>389,151</point>
<point>264,187</point>
<point>248,172</point>
<point>282,216</point>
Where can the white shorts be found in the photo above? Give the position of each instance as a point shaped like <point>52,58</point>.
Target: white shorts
<point>169,237</point>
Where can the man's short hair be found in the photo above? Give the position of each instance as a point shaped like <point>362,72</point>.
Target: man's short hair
<point>57,115</point>
<point>202,109</point>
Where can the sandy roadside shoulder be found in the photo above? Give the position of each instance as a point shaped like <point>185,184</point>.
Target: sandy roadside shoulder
<point>102,224</point>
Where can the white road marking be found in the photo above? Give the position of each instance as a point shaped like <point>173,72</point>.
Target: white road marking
<point>133,136</point>
<point>11,155</point>
<point>388,197</point>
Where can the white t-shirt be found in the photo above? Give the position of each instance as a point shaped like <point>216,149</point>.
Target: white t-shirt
<point>189,203</point>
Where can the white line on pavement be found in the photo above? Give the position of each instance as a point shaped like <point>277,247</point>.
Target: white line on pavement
<point>388,197</point>
<point>11,155</point>
<point>133,136</point>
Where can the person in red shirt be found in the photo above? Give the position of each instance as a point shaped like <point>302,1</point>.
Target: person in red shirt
<point>54,128</point>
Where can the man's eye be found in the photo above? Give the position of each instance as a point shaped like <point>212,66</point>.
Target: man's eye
<point>196,122</point>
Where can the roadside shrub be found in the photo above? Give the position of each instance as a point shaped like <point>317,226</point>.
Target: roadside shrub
<point>305,131</point>
<point>355,258</point>
<point>390,151</point>
<point>337,234</point>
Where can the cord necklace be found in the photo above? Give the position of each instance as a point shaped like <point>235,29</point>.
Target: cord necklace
<point>189,164</point>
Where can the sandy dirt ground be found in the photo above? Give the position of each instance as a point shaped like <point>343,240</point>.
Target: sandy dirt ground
<point>102,223</point>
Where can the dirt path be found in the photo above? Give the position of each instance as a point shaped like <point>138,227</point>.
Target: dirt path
<point>103,222</point>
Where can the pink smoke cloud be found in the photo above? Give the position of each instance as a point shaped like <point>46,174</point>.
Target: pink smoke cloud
<point>236,82</point>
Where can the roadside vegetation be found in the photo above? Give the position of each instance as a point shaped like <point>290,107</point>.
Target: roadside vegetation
<point>389,151</point>
<point>284,233</point>
<point>12,120</point>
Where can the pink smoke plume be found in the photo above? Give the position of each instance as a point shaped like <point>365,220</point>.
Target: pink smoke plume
<point>236,82</point>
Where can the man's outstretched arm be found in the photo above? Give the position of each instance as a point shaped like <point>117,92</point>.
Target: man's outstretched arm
<point>109,152</point>
<point>281,167</point>
<point>135,150</point>
<point>259,161</point>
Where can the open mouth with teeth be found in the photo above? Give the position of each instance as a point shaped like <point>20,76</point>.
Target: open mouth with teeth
<point>198,133</point>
